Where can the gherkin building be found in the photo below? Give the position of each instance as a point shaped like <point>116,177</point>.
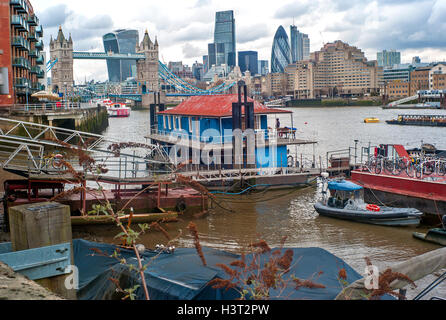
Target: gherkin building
<point>281,53</point>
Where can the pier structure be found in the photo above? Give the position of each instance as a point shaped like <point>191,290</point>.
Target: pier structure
<point>39,154</point>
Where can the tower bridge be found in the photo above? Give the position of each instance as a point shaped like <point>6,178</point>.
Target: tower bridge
<point>148,67</point>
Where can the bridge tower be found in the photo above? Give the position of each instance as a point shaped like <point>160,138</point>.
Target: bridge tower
<point>62,78</point>
<point>147,69</point>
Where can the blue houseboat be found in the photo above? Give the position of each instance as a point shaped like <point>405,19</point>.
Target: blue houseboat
<point>221,140</point>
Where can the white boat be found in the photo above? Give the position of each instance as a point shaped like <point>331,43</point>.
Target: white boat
<point>118,110</point>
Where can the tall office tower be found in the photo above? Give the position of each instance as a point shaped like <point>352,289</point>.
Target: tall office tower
<point>300,45</point>
<point>263,67</point>
<point>222,51</point>
<point>280,53</point>
<point>306,46</point>
<point>388,58</point>
<point>121,41</point>
<point>248,60</point>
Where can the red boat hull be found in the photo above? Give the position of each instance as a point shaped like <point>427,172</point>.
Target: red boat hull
<point>427,196</point>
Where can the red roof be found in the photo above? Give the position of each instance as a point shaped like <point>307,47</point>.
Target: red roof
<point>216,106</point>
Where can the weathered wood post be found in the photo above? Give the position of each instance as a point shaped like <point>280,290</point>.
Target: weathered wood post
<point>41,225</point>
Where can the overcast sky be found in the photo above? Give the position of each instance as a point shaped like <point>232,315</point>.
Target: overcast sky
<point>184,27</point>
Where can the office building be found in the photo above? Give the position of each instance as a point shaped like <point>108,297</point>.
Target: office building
<point>198,71</point>
<point>388,58</point>
<point>223,50</point>
<point>280,53</point>
<point>263,67</point>
<point>248,61</point>
<point>300,45</point>
<point>338,69</point>
<point>121,41</point>
<point>22,64</point>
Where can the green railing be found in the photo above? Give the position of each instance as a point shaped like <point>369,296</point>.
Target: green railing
<point>34,53</point>
<point>33,20</point>
<point>39,45</point>
<point>22,83</point>
<point>40,59</point>
<point>20,42</point>
<point>19,22</point>
<point>39,31</point>
<point>21,63</point>
<point>20,5</point>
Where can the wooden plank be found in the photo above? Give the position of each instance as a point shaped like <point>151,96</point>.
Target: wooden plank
<point>41,225</point>
<point>137,218</point>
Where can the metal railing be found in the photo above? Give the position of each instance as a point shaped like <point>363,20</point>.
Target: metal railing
<point>62,106</point>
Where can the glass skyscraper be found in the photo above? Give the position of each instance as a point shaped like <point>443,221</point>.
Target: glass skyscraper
<point>222,51</point>
<point>281,53</point>
<point>248,60</point>
<point>263,67</point>
<point>300,45</point>
<point>121,41</point>
<point>388,58</point>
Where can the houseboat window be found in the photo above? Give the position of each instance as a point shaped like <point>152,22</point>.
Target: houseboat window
<point>190,124</point>
<point>179,123</point>
<point>257,123</point>
<point>164,122</point>
<point>174,125</point>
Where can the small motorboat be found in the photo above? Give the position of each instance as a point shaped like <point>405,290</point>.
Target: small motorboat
<point>437,236</point>
<point>118,110</point>
<point>345,201</point>
<point>371,120</point>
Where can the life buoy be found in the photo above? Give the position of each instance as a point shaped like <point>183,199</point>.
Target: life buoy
<point>373,207</point>
<point>57,161</point>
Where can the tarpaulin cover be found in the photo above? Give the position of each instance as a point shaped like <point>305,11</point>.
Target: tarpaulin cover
<point>343,186</point>
<point>182,276</point>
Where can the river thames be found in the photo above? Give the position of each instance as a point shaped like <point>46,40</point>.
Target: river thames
<point>272,215</point>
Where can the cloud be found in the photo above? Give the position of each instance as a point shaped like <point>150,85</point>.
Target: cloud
<point>190,51</point>
<point>252,33</point>
<point>55,16</point>
<point>295,9</point>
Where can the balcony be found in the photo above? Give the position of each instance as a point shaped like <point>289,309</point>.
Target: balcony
<point>40,59</point>
<point>33,20</point>
<point>35,69</point>
<point>37,86</point>
<point>23,83</point>
<point>34,53</point>
<point>39,45</point>
<point>19,5</point>
<point>19,23</point>
<point>41,74</point>
<point>39,31</point>
<point>21,63</point>
<point>32,37</point>
<point>20,43</point>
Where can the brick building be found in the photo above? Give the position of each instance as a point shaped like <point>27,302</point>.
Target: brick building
<point>22,62</point>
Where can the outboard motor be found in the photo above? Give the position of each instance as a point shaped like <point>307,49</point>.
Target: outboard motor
<point>324,183</point>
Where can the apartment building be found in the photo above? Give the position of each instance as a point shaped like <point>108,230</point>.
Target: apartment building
<point>22,63</point>
<point>337,69</point>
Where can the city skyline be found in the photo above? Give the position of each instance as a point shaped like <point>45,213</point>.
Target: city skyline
<point>185,29</point>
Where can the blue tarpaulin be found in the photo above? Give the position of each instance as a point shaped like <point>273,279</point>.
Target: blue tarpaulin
<point>343,185</point>
<point>182,276</point>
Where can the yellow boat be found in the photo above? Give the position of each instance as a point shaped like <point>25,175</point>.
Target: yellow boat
<point>371,120</point>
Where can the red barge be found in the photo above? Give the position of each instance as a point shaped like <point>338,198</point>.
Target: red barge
<point>412,182</point>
